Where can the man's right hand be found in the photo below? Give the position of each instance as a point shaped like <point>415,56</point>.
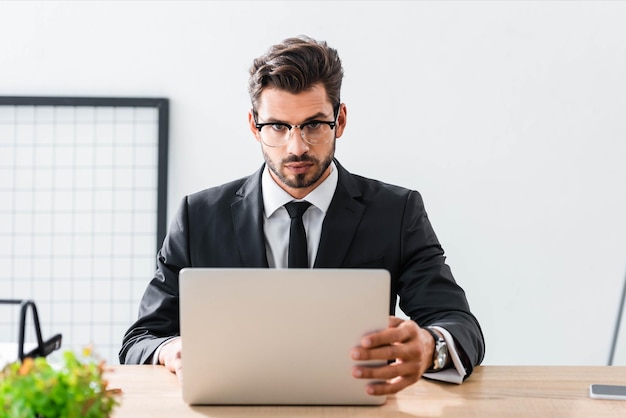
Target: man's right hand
<point>170,357</point>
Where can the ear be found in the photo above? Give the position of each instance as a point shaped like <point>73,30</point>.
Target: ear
<point>252,126</point>
<point>342,118</point>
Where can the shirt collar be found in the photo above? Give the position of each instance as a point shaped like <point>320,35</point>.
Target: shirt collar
<point>275,197</point>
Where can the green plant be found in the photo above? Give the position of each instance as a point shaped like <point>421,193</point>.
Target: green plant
<point>35,389</point>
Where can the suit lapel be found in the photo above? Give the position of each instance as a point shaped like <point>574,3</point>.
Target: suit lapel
<point>247,215</point>
<point>341,222</point>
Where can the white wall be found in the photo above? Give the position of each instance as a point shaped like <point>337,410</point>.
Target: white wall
<point>507,116</point>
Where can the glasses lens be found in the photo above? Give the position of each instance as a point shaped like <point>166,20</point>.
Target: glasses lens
<point>275,135</point>
<point>316,133</point>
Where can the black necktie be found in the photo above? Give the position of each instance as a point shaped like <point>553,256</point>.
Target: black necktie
<point>298,255</point>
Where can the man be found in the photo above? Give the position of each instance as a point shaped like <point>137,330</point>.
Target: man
<point>352,222</point>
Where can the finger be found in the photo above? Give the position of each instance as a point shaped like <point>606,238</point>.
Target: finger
<point>394,321</point>
<point>381,338</point>
<point>387,352</point>
<point>402,332</point>
<point>389,388</point>
<point>171,365</point>
<point>390,371</point>
<point>178,369</point>
<point>409,351</point>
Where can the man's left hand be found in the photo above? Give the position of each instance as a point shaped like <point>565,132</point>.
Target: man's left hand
<point>405,342</point>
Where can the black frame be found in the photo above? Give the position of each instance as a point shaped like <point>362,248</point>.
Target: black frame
<point>161,104</point>
<point>43,347</point>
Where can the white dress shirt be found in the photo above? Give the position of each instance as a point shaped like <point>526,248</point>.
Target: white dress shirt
<point>276,220</point>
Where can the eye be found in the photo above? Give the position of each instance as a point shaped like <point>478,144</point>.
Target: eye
<point>314,126</point>
<point>279,127</point>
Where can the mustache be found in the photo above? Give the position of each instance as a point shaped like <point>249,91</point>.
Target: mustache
<point>300,159</point>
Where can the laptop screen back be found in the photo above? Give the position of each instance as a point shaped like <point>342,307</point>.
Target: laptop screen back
<point>278,336</point>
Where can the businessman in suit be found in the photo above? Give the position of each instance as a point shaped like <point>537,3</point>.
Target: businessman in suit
<point>350,222</point>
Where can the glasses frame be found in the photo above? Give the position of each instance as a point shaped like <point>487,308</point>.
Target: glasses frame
<point>331,124</point>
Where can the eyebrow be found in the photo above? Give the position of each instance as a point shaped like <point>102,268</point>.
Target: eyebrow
<point>317,116</point>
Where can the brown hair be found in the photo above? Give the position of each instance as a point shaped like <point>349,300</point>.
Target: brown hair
<point>296,65</point>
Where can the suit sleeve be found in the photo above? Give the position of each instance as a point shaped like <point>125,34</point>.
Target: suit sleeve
<point>158,318</point>
<point>428,293</point>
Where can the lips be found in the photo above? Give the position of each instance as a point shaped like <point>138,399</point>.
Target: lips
<point>298,168</point>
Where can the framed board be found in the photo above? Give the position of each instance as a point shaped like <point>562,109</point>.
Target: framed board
<point>83,189</point>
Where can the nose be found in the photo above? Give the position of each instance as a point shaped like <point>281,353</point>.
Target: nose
<point>295,143</point>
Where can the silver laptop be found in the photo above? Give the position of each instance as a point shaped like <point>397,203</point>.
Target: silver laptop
<point>278,336</point>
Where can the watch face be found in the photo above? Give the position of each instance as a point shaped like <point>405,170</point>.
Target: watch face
<point>441,355</point>
<point>441,359</point>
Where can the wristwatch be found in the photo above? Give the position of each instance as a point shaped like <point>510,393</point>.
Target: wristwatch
<point>440,355</point>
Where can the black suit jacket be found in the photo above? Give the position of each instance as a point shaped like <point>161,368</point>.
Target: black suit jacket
<point>369,224</point>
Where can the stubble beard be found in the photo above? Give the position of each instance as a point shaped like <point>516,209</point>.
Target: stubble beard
<point>300,181</point>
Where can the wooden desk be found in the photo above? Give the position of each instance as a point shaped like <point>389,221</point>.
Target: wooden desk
<point>492,391</point>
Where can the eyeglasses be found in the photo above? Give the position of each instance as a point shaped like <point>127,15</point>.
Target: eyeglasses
<point>277,134</point>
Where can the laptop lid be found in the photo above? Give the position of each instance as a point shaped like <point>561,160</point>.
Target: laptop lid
<point>278,336</point>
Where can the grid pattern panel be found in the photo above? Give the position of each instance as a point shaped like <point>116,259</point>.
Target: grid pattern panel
<point>78,218</point>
